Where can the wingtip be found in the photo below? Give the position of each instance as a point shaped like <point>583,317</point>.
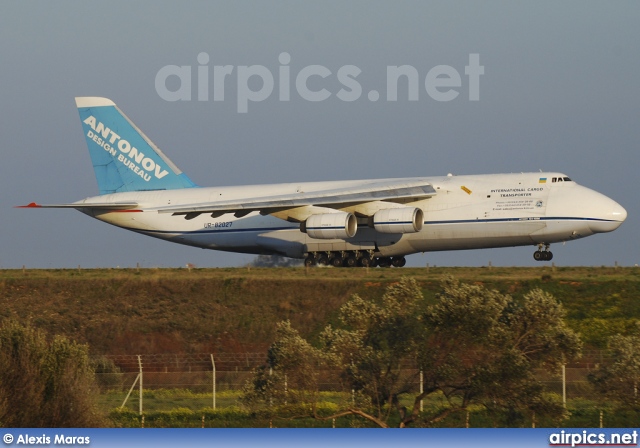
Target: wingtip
<point>29,205</point>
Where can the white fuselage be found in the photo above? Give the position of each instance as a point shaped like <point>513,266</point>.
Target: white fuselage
<point>467,212</point>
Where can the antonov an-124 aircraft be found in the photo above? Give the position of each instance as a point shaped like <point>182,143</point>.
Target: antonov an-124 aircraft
<point>340,223</point>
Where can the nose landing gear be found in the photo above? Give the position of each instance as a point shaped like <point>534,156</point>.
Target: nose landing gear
<point>543,255</point>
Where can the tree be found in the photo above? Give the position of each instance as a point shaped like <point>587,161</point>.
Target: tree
<point>292,361</point>
<point>482,347</point>
<point>620,380</point>
<point>375,345</point>
<point>473,345</point>
<point>44,383</point>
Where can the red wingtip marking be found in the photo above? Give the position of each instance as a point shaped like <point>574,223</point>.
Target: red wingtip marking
<point>30,205</point>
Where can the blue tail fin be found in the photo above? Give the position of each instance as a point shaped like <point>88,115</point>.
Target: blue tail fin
<point>123,158</point>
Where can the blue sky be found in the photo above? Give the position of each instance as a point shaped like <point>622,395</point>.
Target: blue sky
<point>559,92</point>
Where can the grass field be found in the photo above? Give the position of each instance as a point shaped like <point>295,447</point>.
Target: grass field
<point>328,273</point>
<point>131,311</point>
<point>183,408</point>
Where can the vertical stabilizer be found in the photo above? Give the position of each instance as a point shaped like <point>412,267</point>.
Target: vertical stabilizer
<point>124,159</point>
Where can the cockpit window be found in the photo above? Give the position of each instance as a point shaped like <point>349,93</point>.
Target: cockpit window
<point>566,179</point>
<point>560,179</point>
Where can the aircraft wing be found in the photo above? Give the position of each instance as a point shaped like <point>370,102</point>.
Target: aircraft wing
<point>395,190</point>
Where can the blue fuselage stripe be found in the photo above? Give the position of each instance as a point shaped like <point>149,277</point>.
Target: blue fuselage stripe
<point>464,221</point>
<point>557,218</point>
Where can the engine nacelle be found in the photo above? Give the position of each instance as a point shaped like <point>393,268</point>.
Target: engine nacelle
<point>337,225</point>
<point>398,220</point>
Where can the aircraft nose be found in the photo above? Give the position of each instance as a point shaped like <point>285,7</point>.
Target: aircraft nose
<point>619,213</point>
<point>613,214</point>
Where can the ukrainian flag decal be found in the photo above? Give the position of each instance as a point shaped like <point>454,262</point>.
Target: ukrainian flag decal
<point>543,180</point>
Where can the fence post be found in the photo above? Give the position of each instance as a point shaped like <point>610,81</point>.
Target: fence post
<point>421,390</point>
<point>564,385</point>
<point>214,381</point>
<point>140,365</point>
<point>601,418</point>
<point>270,396</point>
<point>130,390</point>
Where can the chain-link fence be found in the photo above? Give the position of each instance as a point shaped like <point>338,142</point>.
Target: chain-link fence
<point>203,380</point>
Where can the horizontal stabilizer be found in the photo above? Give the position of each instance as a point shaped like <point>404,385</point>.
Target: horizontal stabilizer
<point>81,205</point>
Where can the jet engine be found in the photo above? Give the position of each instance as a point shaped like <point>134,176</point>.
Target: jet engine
<point>398,220</point>
<point>337,225</point>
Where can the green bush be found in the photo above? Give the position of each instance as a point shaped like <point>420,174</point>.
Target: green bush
<point>44,383</point>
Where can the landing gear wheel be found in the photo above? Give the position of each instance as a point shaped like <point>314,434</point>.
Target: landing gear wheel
<point>309,261</point>
<point>351,261</point>
<point>384,262</point>
<point>365,262</point>
<point>399,262</point>
<point>337,261</point>
<point>322,260</point>
<point>543,255</point>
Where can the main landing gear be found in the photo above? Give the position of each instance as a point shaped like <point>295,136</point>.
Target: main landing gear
<point>543,255</point>
<point>350,259</point>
